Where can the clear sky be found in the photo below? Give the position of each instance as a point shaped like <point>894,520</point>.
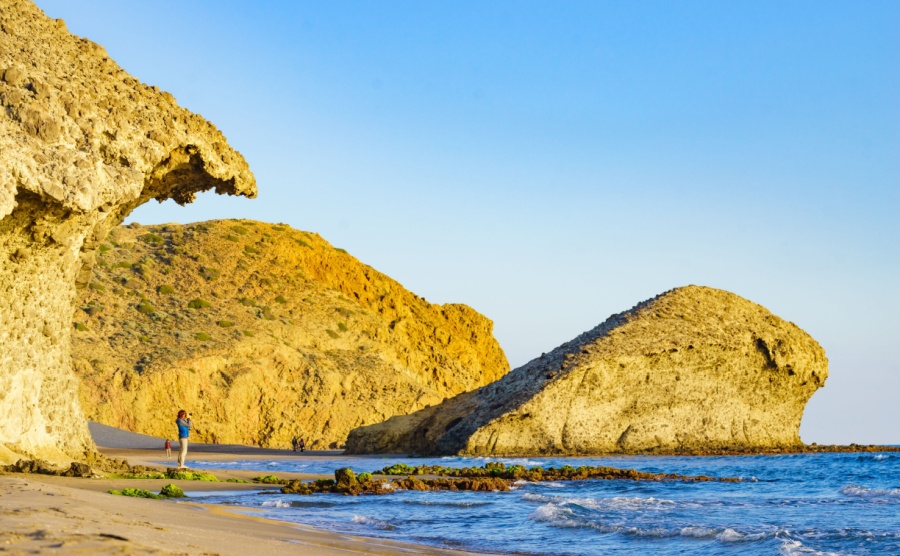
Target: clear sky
<point>552,163</point>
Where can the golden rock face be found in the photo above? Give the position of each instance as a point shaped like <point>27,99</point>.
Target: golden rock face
<point>692,369</point>
<point>263,332</point>
<point>82,144</point>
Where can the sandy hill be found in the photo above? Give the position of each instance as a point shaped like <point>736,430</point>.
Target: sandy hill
<point>262,332</point>
<point>693,369</point>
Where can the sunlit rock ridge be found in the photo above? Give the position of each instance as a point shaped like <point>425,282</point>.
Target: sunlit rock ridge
<point>692,369</point>
<point>82,144</point>
<point>264,332</point>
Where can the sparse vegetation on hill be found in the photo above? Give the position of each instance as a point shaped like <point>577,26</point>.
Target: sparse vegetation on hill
<point>263,332</point>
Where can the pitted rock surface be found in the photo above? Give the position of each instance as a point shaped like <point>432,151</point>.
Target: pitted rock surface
<point>82,144</point>
<point>263,332</point>
<point>693,369</point>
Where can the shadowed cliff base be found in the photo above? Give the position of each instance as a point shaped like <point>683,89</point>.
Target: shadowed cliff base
<point>693,370</point>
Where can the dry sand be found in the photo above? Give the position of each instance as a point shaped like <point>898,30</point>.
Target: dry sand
<point>44,514</point>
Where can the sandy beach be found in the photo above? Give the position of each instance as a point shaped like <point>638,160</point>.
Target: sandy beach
<point>42,514</point>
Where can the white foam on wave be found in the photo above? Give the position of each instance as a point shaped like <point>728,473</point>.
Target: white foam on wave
<point>699,532</point>
<point>561,514</point>
<point>729,535</point>
<point>276,504</point>
<point>857,491</point>
<point>525,462</point>
<point>372,522</point>
<point>446,503</point>
<point>614,503</point>
<point>792,547</point>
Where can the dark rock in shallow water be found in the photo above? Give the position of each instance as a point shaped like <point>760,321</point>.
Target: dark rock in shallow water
<point>493,477</point>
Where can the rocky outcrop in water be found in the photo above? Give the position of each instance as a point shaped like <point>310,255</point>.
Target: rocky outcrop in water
<point>492,477</point>
<point>263,332</point>
<point>82,144</point>
<point>693,369</point>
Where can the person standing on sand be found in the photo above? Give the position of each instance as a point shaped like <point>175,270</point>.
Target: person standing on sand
<point>294,443</point>
<point>184,430</point>
<point>302,445</point>
<point>168,448</point>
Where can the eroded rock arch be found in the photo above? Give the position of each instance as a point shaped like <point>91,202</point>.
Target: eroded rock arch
<point>82,143</point>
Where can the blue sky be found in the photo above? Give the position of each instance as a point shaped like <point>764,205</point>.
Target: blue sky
<point>552,163</point>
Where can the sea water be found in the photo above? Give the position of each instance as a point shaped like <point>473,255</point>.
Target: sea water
<point>784,504</point>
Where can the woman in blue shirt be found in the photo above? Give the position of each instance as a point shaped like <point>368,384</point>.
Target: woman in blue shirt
<point>184,430</point>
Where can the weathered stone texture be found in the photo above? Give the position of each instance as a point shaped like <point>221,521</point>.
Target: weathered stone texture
<point>263,332</point>
<point>692,369</point>
<point>81,145</point>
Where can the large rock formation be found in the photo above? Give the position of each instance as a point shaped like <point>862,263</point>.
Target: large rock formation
<point>263,332</point>
<point>692,369</point>
<point>81,144</point>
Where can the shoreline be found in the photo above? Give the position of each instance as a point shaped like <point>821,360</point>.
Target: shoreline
<point>70,515</point>
<point>43,513</point>
<point>66,515</point>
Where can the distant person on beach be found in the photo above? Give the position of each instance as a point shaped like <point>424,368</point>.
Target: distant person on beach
<point>184,430</point>
<point>294,443</point>
<point>301,444</point>
<point>168,448</point>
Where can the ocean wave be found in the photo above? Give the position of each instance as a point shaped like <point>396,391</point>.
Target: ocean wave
<point>566,517</point>
<point>470,462</point>
<point>276,504</point>
<point>556,515</point>
<point>875,457</point>
<point>312,502</point>
<point>793,547</point>
<point>372,522</point>
<point>727,535</point>
<point>699,532</point>
<point>730,535</point>
<point>857,491</point>
<point>615,503</point>
<point>447,504</point>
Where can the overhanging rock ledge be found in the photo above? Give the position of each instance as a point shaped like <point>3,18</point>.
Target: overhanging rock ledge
<point>82,143</point>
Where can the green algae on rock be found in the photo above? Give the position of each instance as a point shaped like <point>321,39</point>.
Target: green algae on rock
<point>492,477</point>
<point>168,491</point>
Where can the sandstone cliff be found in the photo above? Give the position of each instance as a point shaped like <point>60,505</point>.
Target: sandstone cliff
<point>81,145</point>
<point>263,332</point>
<point>692,369</point>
